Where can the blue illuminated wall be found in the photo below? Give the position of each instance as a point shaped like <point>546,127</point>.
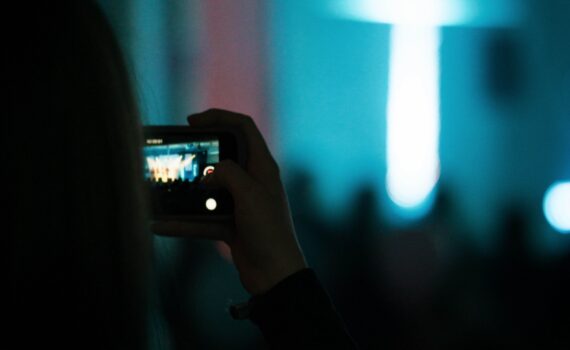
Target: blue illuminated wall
<point>505,110</point>
<point>329,98</point>
<point>504,146</point>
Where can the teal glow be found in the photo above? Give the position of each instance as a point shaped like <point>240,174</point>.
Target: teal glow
<point>149,54</point>
<point>413,116</point>
<point>329,83</point>
<point>556,206</point>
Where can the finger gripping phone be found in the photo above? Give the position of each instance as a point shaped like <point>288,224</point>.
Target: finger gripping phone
<point>176,158</point>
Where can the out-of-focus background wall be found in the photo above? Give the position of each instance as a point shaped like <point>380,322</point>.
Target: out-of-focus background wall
<point>425,147</point>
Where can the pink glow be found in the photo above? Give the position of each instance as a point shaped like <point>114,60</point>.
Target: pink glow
<point>234,69</point>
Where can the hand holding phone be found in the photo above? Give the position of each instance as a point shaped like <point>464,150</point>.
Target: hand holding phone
<point>261,235</point>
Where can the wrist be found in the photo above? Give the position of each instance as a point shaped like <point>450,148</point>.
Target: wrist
<point>275,274</point>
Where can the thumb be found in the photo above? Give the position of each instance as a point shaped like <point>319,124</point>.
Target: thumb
<point>232,177</point>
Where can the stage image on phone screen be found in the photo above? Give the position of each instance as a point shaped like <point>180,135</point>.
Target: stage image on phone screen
<point>175,160</point>
<point>173,169</point>
<point>180,163</point>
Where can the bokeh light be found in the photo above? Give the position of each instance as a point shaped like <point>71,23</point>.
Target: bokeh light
<point>556,206</point>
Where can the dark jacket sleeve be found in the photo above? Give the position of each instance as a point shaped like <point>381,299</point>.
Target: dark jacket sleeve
<point>298,314</point>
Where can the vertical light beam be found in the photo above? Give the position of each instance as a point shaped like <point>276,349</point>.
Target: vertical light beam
<point>413,116</point>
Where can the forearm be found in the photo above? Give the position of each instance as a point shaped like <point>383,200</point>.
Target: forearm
<point>298,313</point>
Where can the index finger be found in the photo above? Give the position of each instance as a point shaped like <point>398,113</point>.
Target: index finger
<point>260,163</point>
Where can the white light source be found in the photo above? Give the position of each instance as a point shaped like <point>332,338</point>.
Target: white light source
<point>211,204</point>
<point>412,12</point>
<point>481,13</point>
<point>413,115</point>
<point>556,206</point>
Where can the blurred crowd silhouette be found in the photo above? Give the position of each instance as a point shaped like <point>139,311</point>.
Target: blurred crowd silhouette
<point>422,287</point>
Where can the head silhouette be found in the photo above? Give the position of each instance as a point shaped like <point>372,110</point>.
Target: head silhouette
<point>78,252</point>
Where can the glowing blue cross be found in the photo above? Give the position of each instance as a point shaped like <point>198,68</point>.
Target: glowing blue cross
<point>413,96</point>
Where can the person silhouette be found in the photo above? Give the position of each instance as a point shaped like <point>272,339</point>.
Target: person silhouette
<point>78,239</point>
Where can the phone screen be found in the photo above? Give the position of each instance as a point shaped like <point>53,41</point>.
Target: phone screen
<point>179,162</point>
<point>173,168</point>
<point>175,159</point>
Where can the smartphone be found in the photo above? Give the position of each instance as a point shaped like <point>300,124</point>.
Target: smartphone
<point>176,158</point>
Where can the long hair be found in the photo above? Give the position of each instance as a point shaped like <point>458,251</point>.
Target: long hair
<point>77,245</point>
